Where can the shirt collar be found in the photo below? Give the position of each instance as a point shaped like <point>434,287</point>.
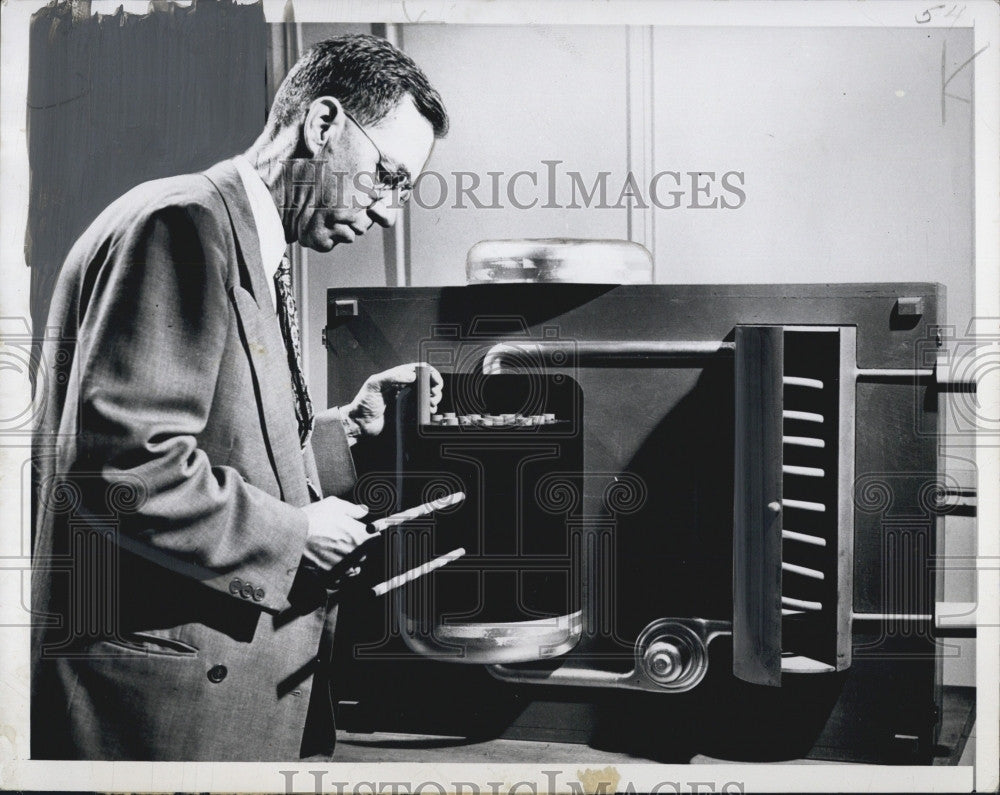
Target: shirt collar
<point>270,232</point>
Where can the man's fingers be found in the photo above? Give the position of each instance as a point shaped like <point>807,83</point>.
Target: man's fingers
<point>407,373</point>
<point>353,510</point>
<point>437,386</point>
<point>363,537</point>
<point>404,374</point>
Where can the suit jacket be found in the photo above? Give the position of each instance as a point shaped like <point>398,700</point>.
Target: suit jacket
<point>170,475</point>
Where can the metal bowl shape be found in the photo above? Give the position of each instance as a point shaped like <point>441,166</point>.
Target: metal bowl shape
<point>559,260</point>
<point>495,642</point>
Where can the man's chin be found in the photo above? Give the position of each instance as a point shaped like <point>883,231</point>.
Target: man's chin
<point>328,239</point>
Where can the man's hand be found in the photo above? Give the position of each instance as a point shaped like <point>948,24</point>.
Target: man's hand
<point>365,416</point>
<point>334,533</point>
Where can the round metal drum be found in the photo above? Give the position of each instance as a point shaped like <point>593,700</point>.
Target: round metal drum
<point>513,444</point>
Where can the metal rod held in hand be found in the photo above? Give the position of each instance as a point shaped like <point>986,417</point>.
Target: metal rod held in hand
<point>408,576</point>
<point>415,513</point>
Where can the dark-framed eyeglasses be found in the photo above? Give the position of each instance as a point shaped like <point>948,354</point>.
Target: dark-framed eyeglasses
<point>388,180</point>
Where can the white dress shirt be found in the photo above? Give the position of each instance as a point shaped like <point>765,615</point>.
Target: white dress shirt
<point>270,233</point>
<point>271,237</point>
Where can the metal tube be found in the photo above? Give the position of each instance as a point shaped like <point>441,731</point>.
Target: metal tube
<point>565,675</point>
<point>593,352</point>
<point>807,416</point>
<point>379,525</point>
<point>808,383</point>
<point>423,385</point>
<point>805,572</point>
<point>809,472</point>
<point>650,643</point>
<point>878,373</point>
<point>408,576</point>
<point>804,505</point>
<point>801,604</point>
<point>791,535</point>
<point>803,441</point>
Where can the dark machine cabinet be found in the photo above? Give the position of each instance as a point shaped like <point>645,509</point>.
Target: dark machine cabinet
<point>727,526</point>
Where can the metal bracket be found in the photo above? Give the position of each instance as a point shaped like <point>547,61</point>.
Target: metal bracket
<point>344,310</point>
<point>671,656</point>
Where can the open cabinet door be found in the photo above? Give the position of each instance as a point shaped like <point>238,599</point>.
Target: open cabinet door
<point>793,511</point>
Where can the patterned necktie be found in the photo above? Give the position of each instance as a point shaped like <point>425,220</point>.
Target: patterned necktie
<point>288,319</point>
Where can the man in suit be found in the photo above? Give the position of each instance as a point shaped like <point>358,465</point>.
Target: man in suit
<point>191,531</point>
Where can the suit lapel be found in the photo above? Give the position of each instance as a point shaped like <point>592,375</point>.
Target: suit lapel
<point>253,277</point>
<point>265,347</point>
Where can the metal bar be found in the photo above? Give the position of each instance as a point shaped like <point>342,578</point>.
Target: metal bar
<point>594,352</point>
<point>639,348</point>
<point>879,374</point>
<point>575,673</point>
<point>408,576</point>
<point>844,430</point>
<point>946,625</point>
<point>807,416</point>
<point>801,604</point>
<point>423,385</point>
<point>380,525</point>
<point>565,675</point>
<point>791,535</point>
<point>808,472</point>
<point>808,383</point>
<point>804,505</point>
<point>803,441</point>
<point>813,574</point>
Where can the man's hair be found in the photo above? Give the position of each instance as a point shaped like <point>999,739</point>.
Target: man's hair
<point>366,73</point>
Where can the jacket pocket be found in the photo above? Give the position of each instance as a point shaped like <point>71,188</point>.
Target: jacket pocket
<point>145,643</point>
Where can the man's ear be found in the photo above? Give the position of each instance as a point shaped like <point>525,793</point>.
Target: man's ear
<point>323,125</point>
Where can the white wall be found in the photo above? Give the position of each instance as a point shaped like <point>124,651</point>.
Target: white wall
<point>518,96</point>
<point>850,173</point>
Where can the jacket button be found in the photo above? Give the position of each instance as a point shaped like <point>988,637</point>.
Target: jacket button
<point>258,595</point>
<point>247,591</point>
<point>217,673</point>
<point>235,585</point>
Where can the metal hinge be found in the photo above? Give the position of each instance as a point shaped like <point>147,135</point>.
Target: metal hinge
<point>344,309</point>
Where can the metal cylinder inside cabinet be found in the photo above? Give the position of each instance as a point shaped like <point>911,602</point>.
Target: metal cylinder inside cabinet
<point>514,445</point>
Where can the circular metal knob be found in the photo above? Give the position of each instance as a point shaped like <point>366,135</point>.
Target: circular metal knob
<point>671,655</point>
<point>665,661</point>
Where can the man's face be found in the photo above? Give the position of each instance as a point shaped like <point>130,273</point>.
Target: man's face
<point>356,165</point>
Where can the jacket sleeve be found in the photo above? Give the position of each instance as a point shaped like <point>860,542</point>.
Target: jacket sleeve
<point>332,452</point>
<point>155,319</point>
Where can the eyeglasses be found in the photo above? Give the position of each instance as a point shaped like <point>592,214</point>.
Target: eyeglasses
<point>388,179</point>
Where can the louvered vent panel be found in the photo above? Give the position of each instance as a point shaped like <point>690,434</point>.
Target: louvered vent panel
<point>793,533</point>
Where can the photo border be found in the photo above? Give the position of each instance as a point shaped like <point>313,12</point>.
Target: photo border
<point>16,772</point>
